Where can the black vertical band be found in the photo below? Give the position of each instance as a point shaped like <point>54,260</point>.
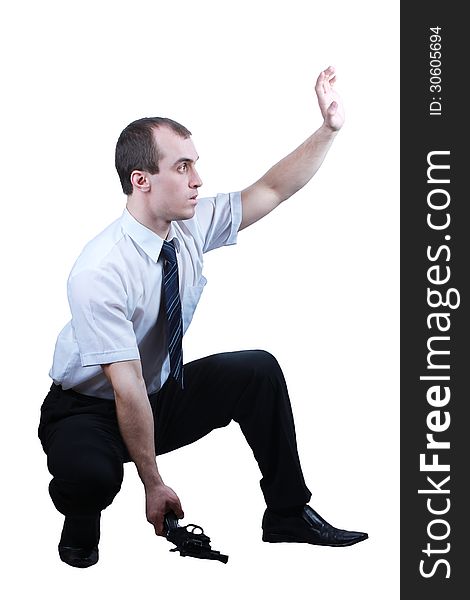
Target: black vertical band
<point>435,316</point>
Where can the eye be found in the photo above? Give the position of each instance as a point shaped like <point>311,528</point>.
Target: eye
<point>183,167</point>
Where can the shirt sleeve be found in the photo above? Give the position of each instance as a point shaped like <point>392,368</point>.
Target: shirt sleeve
<point>219,219</point>
<point>98,302</point>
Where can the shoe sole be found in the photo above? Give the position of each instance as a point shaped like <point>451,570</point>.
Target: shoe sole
<point>79,562</point>
<point>275,538</point>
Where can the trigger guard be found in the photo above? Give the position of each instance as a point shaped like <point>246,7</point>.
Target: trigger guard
<point>194,527</point>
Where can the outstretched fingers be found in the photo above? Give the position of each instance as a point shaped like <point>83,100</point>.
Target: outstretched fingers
<point>325,80</point>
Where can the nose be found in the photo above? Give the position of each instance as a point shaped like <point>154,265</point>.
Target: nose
<point>196,181</point>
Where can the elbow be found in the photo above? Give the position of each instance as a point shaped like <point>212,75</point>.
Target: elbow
<point>126,378</point>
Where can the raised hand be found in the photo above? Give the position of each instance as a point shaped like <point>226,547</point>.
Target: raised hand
<point>329,100</point>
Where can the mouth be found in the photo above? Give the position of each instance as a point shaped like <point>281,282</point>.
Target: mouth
<point>193,198</point>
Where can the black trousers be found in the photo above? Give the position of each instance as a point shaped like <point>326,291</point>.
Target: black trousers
<point>86,453</point>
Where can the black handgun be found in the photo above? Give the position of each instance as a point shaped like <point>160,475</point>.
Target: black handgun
<point>190,540</point>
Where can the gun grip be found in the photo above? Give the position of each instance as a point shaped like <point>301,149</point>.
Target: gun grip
<point>170,521</point>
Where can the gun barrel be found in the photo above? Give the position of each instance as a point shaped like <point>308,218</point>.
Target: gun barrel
<point>222,557</point>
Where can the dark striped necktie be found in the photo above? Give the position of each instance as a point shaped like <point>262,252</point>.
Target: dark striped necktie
<point>171,296</point>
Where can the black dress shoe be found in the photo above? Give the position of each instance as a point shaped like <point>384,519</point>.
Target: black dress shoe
<point>308,528</point>
<point>79,557</point>
<point>78,546</point>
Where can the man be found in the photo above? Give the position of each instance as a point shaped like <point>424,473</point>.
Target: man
<point>120,391</point>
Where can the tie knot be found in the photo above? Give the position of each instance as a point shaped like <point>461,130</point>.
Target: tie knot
<point>169,252</point>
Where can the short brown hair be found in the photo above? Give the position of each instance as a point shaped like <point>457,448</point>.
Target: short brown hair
<point>136,148</point>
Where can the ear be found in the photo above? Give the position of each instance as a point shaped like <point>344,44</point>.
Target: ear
<point>140,181</point>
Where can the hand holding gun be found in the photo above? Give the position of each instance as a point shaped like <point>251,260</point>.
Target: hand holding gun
<point>190,542</point>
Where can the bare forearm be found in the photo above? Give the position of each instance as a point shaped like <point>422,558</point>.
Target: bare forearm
<point>286,177</point>
<point>295,170</point>
<point>135,420</point>
<point>135,417</point>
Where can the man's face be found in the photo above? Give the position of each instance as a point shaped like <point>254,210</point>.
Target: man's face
<point>174,188</point>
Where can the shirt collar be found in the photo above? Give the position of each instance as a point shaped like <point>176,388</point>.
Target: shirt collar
<point>145,238</point>
<point>172,237</point>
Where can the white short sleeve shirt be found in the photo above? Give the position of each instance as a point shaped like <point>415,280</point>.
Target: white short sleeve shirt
<point>114,293</point>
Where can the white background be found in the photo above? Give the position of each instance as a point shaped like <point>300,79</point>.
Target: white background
<point>240,76</point>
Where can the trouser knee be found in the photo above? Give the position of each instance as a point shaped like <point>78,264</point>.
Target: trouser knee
<point>86,492</point>
<point>263,384</point>
<point>261,364</point>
